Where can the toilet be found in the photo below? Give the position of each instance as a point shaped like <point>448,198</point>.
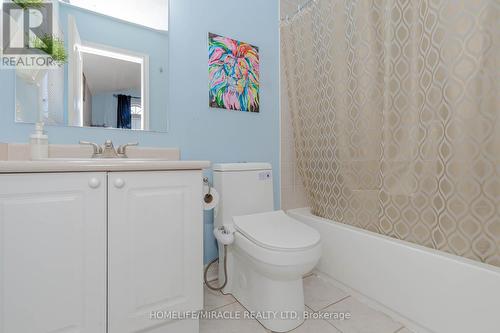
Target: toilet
<point>271,251</point>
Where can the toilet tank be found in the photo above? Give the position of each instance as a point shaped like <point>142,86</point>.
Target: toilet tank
<point>244,188</point>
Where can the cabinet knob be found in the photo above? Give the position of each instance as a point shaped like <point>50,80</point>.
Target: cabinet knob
<point>119,183</point>
<point>94,183</point>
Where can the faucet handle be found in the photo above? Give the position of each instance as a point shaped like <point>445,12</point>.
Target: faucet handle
<point>95,146</point>
<point>122,150</point>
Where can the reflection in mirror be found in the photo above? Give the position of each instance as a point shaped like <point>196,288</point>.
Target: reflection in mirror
<point>111,84</point>
<point>116,72</point>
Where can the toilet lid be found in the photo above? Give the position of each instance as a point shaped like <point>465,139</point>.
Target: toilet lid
<point>277,231</point>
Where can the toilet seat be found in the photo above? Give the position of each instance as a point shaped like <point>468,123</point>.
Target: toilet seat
<point>273,257</point>
<point>277,231</point>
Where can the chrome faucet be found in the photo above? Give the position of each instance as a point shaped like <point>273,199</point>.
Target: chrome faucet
<point>108,149</point>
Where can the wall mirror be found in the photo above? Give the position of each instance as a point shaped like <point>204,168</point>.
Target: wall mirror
<point>116,71</point>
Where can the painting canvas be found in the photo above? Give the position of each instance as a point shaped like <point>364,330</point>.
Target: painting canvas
<point>233,70</point>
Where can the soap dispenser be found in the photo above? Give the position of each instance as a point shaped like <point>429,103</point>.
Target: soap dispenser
<point>39,143</point>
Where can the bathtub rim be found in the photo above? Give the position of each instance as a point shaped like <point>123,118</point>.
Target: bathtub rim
<point>305,212</point>
<point>460,298</point>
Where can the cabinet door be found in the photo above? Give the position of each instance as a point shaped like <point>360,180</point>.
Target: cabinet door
<point>53,253</point>
<point>155,248</point>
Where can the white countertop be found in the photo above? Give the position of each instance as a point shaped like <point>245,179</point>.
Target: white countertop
<point>15,158</point>
<point>94,165</point>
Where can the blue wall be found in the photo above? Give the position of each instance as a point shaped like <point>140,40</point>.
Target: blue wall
<point>200,132</point>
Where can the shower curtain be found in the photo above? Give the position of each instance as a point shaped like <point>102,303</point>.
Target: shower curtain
<point>396,115</point>
<point>124,112</point>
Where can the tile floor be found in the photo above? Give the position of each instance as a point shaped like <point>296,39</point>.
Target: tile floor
<point>320,296</point>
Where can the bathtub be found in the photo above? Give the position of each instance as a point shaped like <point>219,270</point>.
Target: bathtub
<point>425,289</point>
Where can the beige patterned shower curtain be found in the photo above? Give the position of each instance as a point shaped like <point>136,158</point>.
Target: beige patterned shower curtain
<point>396,116</point>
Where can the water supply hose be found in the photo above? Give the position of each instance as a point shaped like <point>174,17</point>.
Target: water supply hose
<point>225,272</point>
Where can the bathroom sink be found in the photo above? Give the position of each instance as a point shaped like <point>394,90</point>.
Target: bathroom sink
<point>77,159</point>
<point>107,160</point>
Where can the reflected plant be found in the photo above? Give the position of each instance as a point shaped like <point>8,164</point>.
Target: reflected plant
<point>53,46</point>
<point>27,4</point>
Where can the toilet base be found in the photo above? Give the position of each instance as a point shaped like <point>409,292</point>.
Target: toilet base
<point>278,304</point>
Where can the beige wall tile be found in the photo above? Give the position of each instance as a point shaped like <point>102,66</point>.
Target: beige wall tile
<point>4,151</point>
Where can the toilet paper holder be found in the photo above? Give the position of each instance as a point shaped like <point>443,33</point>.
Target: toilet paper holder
<point>208,197</point>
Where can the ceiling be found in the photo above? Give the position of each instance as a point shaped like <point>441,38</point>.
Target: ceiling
<point>105,74</point>
<point>149,13</point>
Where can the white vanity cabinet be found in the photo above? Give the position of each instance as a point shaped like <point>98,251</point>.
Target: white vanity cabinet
<point>155,249</point>
<point>53,253</point>
<point>97,252</point>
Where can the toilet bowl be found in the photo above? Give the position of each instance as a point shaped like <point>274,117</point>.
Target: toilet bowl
<point>271,251</point>
<point>270,255</point>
